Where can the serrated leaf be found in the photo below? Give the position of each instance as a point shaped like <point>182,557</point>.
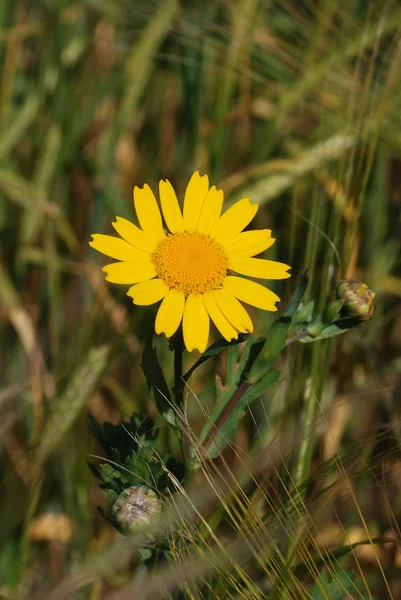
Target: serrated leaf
<point>235,374</point>
<point>111,479</point>
<point>338,586</point>
<point>219,431</point>
<point>335,587</point>
<point>118,441</point>
<point>139,465</point>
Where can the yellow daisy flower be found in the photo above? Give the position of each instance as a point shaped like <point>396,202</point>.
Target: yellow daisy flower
<point>191,266</point>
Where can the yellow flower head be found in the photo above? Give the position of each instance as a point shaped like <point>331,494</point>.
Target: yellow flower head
<point>191,266</point>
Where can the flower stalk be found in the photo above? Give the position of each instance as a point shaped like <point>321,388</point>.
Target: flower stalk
<point>178,368</point>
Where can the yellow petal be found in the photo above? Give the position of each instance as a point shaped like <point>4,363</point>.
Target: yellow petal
<point>148,213</point>
<point>128,272</point>
<point>195,323</point>
<point>249,243</point>
<point>169,315</point>
<point>226,329</point>
<point>197,189</point>
<point>250,292</point>
<point>117,248</point>
<point>233,221</point>
<point>171,209</point>
<point>133,235</point>
<point>148,292</point>
<point>259,267</point>
<point>211,210</point>
<point>233,311</point>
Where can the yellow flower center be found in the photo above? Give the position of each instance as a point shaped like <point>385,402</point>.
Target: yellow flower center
<point>190,262</point>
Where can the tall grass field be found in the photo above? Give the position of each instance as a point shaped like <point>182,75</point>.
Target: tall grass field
<point>142,454</point>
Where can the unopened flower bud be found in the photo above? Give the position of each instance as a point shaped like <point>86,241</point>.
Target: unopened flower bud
<point>136,507</point>
<point>358,300</point>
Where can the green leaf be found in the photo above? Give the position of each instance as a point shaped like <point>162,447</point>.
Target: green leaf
<point>120,440</point>
<point>139,464</point>
<point>157,385</point>
<point>213,350</point>
<point>223,424</point>
<point>337,587</point>
<point>112,479</point>
<point>251,353</point>
<point>297,296</point>
<point>264,382</point>
<point>277,334</point>
<point>234,395</point>
<point>321,559</point>
<point>336,328</point>
<point>303,313</point>
<point>236,370</point>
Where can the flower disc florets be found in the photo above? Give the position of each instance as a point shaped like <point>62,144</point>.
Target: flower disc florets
<point>190,262</point>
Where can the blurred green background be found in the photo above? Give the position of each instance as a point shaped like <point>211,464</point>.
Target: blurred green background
<point>294,104</point>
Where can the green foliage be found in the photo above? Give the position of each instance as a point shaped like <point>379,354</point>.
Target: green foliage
<point>157,384</point>
<point>214,350</point>
<point>295,105</point>
<point>336,586</point>
<point>130,449</point>
<point>241,385</point>
<point>131,461</point>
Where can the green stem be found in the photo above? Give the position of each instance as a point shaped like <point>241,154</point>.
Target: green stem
<point>178,372</point>
<point>313,391</point>
<point>296,338</point>
<point>178,391</point>
<point>309,418</point>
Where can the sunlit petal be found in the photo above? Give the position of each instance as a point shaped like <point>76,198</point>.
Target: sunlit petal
<point>211,210</point>
<point>171,209</point>
<point>197,189</point>
<point>148,292</point>
<point>195,323</point>
<point>133,235</point>
<point>249,243</point>
<point>259,267</point>
<point>226,329</point>
<point>128,272</point>
<point>233,311</point>
<point>117,248</point>
<point>169,315</point>
<point>233,221</point>
<point>250,292</point>
<point>148,213</point>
